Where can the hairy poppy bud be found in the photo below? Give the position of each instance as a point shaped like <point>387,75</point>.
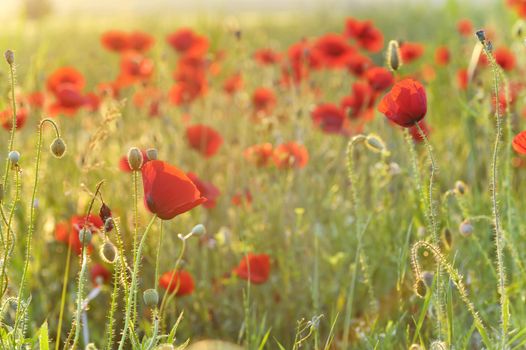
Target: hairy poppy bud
<point>481,35</point>
<point>460,187</point>
<point>375,143</point>
<point>9,57</point>
<point>108,252</point>
<point>466,228</point>
<point>394,59</point>
<point>151,297</point>
<point>108,224</point>
<point>199,230</point>
<point>151,153</point>
<point>14,157</point>
<point>85,236</point>
<point>135,159</point>
<point>420,288</point>
<point>58,147</point>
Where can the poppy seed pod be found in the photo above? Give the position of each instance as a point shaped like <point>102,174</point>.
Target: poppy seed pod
<point>150,297</point>
<point>199,230</point>
<point>420,288</point>
<point>151,153</point>
<point>14,157</point>
<point>108,252</point>
<point>85,236</point>
<point>460,187</point>
<point>9,57</point>
<point>375,143</point>
<point>394,59</point>
<point>135,159</point>
<point>466,228</point>
<point>58,147</point>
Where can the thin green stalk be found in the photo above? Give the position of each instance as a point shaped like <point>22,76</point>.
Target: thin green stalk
<point>63,297</point>
<point>80,291</point>
<point>13,126</point>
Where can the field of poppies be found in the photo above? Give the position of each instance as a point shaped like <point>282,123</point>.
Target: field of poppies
<point>265,181</point>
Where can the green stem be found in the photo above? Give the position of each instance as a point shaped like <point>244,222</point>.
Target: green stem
<point>63,297</point>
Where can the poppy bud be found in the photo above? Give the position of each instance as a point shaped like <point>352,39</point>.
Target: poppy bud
<point>439,345</point>
<point>466,228</point>
<point>199,230</point>
<point>151,297</point>
<point>9,57</point>
<point>108,252</point>
<point>447,238</point>
<point>460,187</point>
<point>375,143</point>
<point>151,153</point>
<point>135,159</point>
<point>481,35</point>
<point>58,147</point>
<point>394,59</point>
<point>14,157</point>
<point>420,288</point>
<point>85,236</point>
<point>108,224</point>
<point>91,346</point>
<point>415,347</point>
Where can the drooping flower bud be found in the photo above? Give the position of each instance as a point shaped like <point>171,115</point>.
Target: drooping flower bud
<point>420,288</point>
<point>135,159</point>
<point>151,297</point>
<point>108,252</point>
<point>104,212</point>
<point>151,153</point>
<point>14,157</point>
<point>460,187</point>
<point>58,147</point>
<point>108,224</point>
<point>199,230</point>
<point>85,236</point>
<point>9,57</point>
<point>466,228</point>
<point>375,143</point>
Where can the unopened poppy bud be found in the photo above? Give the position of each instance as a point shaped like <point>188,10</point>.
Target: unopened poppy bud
<point>481,35</point>
<point>394,59</point>
<point>108,252</point>
<point>466,228</point>
<point>14,157</point>
<point>9,57</point>
<point>85,236</point>
<point>420,288</point>
<point>460,187</point>
<point>199,230</point>
<point>151,297</point>
<point>108,224</point>
<point>375,143</point>
<point>135,159</point>
<point>151,153</point>
<point>447,238</point>
<point>58,147</point>
<point>439,345</point>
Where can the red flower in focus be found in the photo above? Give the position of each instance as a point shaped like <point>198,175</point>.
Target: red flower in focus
<point>519,142</point>
<point>125,166</point>
<point>115,40</point>
<point>290,155</point>
<point>99,274</point>
<point>186,41</point>
<point>405,104</point>
<point>204,139</point>
<point>233,84</point>
<point>462,78</point>
<point>207,189</point>
<point>168,192</point>
<point>415,133</point>
<point>140,41</point>
<point>261,155</point>
<point>329,118</point>
<point>411,51</point>
<point>365,33</point>
<point>442,56</point>
<point>465,27</point>
<point>254,267</point>
<point>6,118</point>
<point>332,50</point>
<point>379,78</point>
<point>179,282</point>
<point>263,100</point>
<point>358,64</point>
<point>361,99</point>
<point>267,57</point>
<point>505,58</point>
<point>68,232</point>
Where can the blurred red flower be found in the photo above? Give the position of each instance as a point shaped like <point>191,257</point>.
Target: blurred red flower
<point>358,64</point>
<point>405,104</point>
<point>134,68</point>
<point>263,100</point>
<point>179,282</point>
<point>519,142</point>
<point>140,41</point>
<point>415,133</point>
<point>290,155</point>
<point>68,232</point>
<point>66,85</point>
<point>361,99</point>
<point>204,139</point>
<point>379,78</point>
<point>365,33</point>
<point>505,58</point>
<point>465,27</point>
<point>411,51</point>
<point>267,57</point>
<point>186,41</point>
<point>233,84</point>
<point>6,118</point>
<point>462,78</point>
<point>115,40</point>
<point>207,190</point>
<point>254,267</point>
<point>332,50</point>
<point>442,55</point>
<point>261,154</point>
<point>329,118</point>
<point>99,274</point>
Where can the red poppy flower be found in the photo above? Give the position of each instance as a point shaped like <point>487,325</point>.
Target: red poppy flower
<point>241,198</point>
<point>519,142</point>
<point>379,78</point>
<point>115,40</point>
<point>36,99</point>
<point>329,118</point>
<point>260,155</point>
<point>179,282</point>
<point>442,56</point>
<point>233,84</point>
<point>465,27</point>
<point>290,155</point>
<point>168,192</point>
<point>519,6</point>
<point>267,57</point>
<point>462,78</point>
<point>207,189</point>
<point>191,80</point>
<point>140,41</point>
<point>332,50</point>
<point>263,100</point>
<point>68,100</point>
<point>6,118</point>
<point>134,68</point>
<point>365,33</point>
<point>65,75</point>
<point>186,41</point>
<point>505,58</point>
<point>411,51</point>
<point>405,104</point>
<point>100,274</point>
<point>361,99</point>
<point>68,232</point>
<point>254,267</point>
<point>204,139</point>
<point>300,60</point>
<point>358,64</point>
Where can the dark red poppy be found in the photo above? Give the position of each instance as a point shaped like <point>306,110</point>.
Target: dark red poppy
<point>68,100</point>
<point>99,274</point>
<point>332,50</point>
<point>207,189</point>
<point>68,232</point>
<point>204,139</point>
<point>465,27</point>
<point>379,78</point>
<point>179,282</point>
<point>168,192</point>
<point>365,33</point>
<point>115,40</point>
<point>186,41</point>
<point>505,58</point>
<point>519,142</point>
<point>263,100</point>
<point>260,155</point>
<point>267,57</point>
<point>361,99</point>
<point>233,84</point>
<point>329,118</point>
<point>6,118</point>
<point>442,55</point>
<point>411,51</point>
<point>140,41</point>
<point>290,155</point>
<point>405,104</point>
<point>358,64</point>
<point>254,267</point>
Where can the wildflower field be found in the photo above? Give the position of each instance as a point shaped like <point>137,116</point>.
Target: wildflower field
<point>347,179</point>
